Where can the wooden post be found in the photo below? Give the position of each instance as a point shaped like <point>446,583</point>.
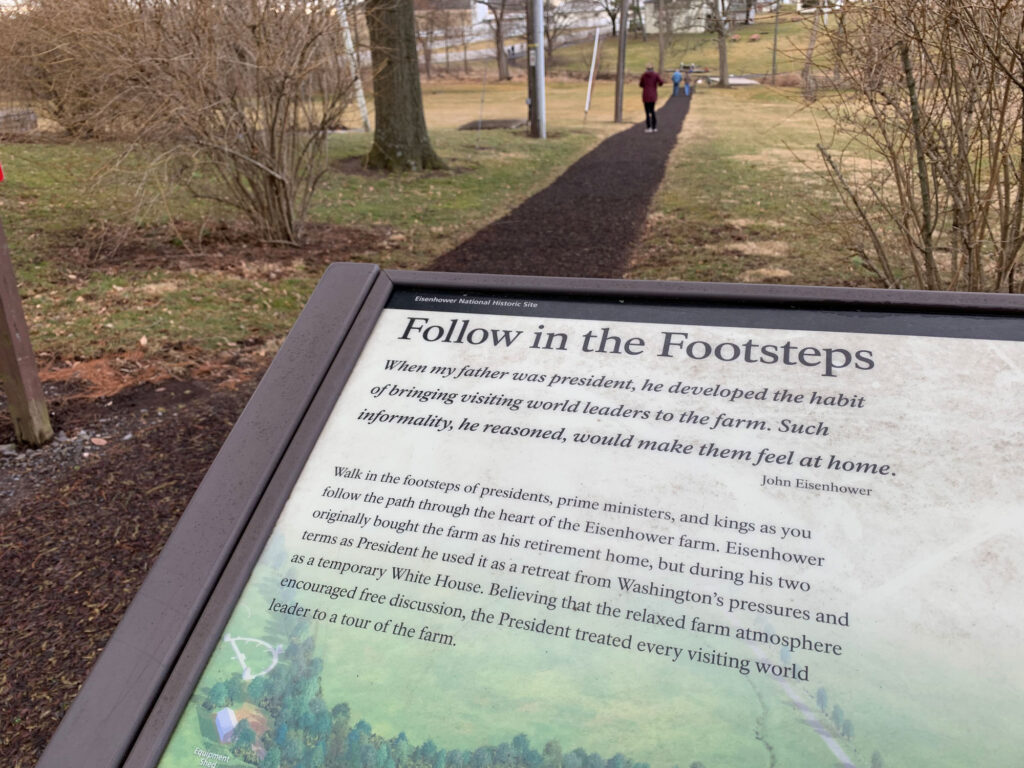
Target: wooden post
<point>18,373</point>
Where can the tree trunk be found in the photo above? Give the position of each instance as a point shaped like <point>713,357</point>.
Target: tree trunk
<point>810,87</point>
<point>400,140</point>
<point>499,42</point>
<point>425,43</point>
<point>718,18</point>
<point>639,14</point>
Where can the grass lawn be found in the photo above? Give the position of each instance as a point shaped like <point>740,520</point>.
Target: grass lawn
<point>735,205</point>
<point>751,54</point>
<point>744,198</point>
<point>83,299</point>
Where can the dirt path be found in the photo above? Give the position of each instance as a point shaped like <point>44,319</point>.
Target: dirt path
<point>586,222</point>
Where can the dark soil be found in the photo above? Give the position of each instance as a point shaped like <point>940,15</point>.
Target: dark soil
<point>83,518</point>
<point>81,521</point>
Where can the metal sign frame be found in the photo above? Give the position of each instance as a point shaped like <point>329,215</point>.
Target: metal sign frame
<point>130,702</point>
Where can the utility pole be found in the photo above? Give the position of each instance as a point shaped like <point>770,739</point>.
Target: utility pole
<point>775,42</point>
<point>531,72</point>
<point>661,36</point>
<point>620,68</point>
<point>537,66</point>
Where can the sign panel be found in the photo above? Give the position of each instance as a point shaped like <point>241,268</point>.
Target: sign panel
<point>607,533</point>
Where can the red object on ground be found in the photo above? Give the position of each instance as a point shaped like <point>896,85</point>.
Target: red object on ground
<point>1,173</point>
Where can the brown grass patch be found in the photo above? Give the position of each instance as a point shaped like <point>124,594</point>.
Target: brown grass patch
<point>767,248</point>
<point>765,275</point>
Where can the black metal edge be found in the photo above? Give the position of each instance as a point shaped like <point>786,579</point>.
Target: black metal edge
<point>768,296</point>
<point>104,720</point>
<point>183,678</point>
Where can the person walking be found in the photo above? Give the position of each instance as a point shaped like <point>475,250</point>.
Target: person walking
<point>677,78</point>
<point>649,82</point>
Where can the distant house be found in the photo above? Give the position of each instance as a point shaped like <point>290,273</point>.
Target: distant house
<point>226,723</point>
<point>695,15</point>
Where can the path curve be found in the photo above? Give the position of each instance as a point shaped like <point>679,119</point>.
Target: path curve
<point>585,223</point>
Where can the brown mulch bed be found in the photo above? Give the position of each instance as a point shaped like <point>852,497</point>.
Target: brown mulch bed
<point>83,519</point>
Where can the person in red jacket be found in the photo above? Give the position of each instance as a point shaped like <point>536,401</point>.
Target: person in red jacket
<point>649,81</point>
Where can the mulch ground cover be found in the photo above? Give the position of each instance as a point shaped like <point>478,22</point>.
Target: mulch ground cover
<point>584,223</point>
<point>83,519</point>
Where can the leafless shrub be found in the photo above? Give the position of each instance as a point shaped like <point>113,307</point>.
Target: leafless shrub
<point>933,92</point>
<point>237,96</point>
<point>64,56</point>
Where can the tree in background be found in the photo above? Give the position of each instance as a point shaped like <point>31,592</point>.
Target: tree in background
<point>552,754</point>
<point>613,9</point>
<point>245,736</point>
<point>718,23</point>
<point>559,18</point>
<point>501,13</point>
<point>638,24</point>
<point>430,28</point>
<point>400,140</point>
<point>936,93</point>
<point>236,689</point>
<point>218,696</point>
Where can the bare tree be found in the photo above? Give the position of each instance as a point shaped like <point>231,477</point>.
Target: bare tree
<point>679,16</point>
<point>461,32</point>
<point>559,18</point>
<point>718,23</point>
<point>430,27</point>
<point>400,139</point>
<point>448,20</point>
<point>238,96</point>
<point>937,93</point>
<point>638,25</point>
<point>500,16</point>
<point>613,8</point>
<point>807,75</point>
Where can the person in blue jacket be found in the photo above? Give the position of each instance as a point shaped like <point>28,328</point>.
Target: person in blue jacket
<point>677,78</point>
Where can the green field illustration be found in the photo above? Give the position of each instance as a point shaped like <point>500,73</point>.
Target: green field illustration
<point>290,692</point>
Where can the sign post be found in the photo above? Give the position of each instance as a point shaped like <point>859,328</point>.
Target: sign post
<point>18,372</point>
<point>527,521</point>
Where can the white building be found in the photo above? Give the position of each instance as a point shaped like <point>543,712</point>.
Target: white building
<point>226,723</point>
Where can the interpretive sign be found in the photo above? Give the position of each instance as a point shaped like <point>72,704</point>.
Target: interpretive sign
<point>579,525</point>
